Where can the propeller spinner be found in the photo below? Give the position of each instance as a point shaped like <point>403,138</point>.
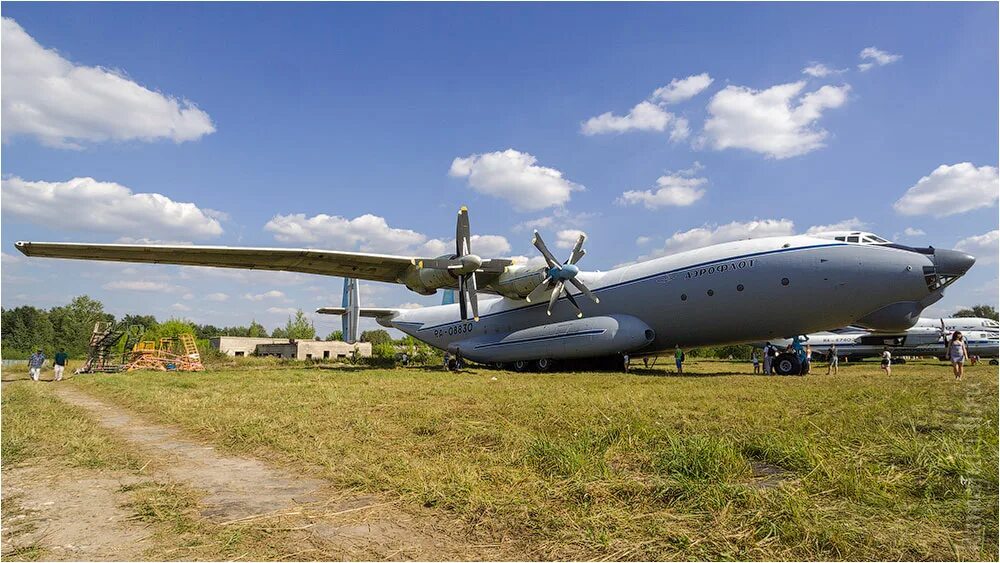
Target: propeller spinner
<point>558,275</point>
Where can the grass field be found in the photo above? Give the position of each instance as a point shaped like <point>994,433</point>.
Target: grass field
<point>641,466</point>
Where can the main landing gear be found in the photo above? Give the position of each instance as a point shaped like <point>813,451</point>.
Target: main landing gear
<point>787,364</point>
<point>541,365</point>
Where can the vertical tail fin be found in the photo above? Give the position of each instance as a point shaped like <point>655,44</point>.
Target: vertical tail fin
<point>351,302</point>
<point>448,297</point>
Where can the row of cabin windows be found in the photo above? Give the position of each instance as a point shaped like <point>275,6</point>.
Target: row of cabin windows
<point>739,287</point>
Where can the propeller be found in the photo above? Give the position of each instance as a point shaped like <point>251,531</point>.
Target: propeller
<point>464,265</point>
<point>558,275</point>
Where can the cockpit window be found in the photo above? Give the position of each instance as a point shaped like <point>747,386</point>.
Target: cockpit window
<point>853,239</point>
<point>843,239</point>
<point>992,324</point>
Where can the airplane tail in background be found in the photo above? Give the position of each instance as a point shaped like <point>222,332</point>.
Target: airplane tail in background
<point>352,304</point>
<point>448,297</point>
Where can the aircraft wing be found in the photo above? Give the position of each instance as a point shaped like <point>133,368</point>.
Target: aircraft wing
<point>374,267</point>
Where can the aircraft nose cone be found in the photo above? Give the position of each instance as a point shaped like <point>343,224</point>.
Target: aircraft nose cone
<point>952,262</point>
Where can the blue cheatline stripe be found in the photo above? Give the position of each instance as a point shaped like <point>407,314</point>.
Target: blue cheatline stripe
<point>644,278</point>
<point>541,338</point>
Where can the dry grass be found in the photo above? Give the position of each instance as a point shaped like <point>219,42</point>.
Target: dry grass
<point>630,466</point>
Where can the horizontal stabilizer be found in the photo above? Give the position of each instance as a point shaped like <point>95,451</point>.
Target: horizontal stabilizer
<point>373,312</point>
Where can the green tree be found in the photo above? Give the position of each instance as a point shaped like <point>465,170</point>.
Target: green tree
<point>378,336</point>
<point>74,323</point>
<point>145,321</point>
<point>384,350</point>
<point>279,332</point>
<point>170,329</point>
<point>982,311</point>
<point>299,328</point>
<point>336,335</point>
<point>26,329</point>
<point>256,330</point>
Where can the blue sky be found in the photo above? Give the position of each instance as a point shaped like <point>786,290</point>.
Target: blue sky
<point>266,111</point>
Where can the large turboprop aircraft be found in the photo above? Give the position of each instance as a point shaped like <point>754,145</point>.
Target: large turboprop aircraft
<point>744,291</point>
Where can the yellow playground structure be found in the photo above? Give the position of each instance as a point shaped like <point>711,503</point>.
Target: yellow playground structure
<point>178,353</point>
<point>115,347</point>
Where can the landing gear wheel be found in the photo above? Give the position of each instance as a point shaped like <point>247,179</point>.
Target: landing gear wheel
<point>899,361</point>
<point>994,362</point>
<point>787,364</point>
<point>520,365</point>
<point>543,365</point>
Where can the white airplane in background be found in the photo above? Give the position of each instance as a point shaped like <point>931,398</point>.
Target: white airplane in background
<point>743,291</point>
<point>927,337</point>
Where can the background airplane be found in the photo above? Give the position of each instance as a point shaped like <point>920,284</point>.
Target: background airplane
<point>742,291</point>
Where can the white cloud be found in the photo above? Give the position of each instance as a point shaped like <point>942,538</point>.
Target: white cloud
<point>777,122</point>
<point>875,57</point>
<point>105,206</point>
<point>514,176</point>
<point>272,294</point>
<point>641,241</point>
<point>911,232</point>
<point>950,190</point>
<point>567,238</point>
<point>984,247</point>
<point>681,89</point>
<point>180,307</point>
<point>852,224</point>
<point>709,235</point>
<point>282,310</point>
<point>650,115</point>
<point>147,240</point>
<point>60,103</point>
<point>187,296</point>
<point>136,285</point>
<point>535,261</point>
<point>409,305</point>
<point>559,217</point>
<point>217,297</point>
<point>645,116</point>
<point>674,189</point>
<point>819,70</point>
<point>370,233</point>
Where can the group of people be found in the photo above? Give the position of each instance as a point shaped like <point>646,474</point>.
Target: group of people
<point>957,352</point>
<point>37,360</point>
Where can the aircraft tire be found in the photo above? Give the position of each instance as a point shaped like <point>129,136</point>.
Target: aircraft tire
<point>994,362</point>
<point>543,365</point>
<point>787,364</point>
<point>899,361</point>
<point>520,365</point>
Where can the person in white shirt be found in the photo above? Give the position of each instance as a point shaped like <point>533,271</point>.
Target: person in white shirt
<point>887,361</point>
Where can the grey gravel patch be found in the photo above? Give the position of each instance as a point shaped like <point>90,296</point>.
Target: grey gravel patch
<point>767,475</point>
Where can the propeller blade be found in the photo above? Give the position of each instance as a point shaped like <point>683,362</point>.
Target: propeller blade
<point>578,250</point>
<point>540,245</point>
<point>579,313</point>
<point>462,298</point>
<point>463,244</point>
<point>470,288</point>
<point>584,289</point>
<point>539,290</point>
<point>555,295</point>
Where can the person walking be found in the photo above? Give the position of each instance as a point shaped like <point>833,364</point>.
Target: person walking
<point>756,362</point>
<point>35,365</point>
<point>832,361</point>
<point>886,361</point>
<point>59,363</point>
<point>809,359</point>
<point>769,353</point>
<point>679,358</point>
<point>958,352</point>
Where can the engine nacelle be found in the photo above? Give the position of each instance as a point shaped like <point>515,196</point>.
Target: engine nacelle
<point>426,281</point>
<point>579,338</point>
<point>518,281</point>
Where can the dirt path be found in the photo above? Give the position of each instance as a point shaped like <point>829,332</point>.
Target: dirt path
<point>237,490</point>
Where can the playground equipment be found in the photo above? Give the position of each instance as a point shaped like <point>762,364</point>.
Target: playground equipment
<point>110,354</point>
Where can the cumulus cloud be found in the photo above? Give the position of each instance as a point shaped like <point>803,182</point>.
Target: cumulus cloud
<point>272,294</point>
<point>984,247</point>
<point>950,190</point>
<point>911,232</point>
<point>567,238</point>
<point>370,233</point>
<point>180,307</point>
<point>874,57</point>
<point>819,70</point>
<point>649,114</point>
<point>217,297</point>
<point>852,224</point>
<point>137,285</point>
<point>515,177</point>
<point>282,310</point>
<point>675,189</point>
<point>712,234</point>
<point>61,103</point>
<point>106,207</point>
<point>681,89</point>
<point>779,122</point>
<point>560,217</point>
